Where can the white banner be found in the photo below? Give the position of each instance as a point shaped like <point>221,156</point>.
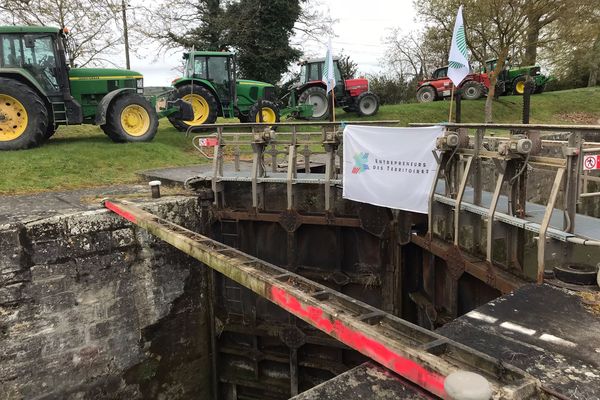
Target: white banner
<point>390,167</point>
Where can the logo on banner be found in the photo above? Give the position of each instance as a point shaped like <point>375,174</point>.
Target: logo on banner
<point>360,163</point>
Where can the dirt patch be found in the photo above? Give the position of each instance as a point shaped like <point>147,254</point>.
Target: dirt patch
<point>580,118</point>
<point>591,301</point>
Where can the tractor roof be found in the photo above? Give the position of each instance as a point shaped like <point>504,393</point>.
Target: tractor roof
<point>213,53</point>
<point>28,29</point>
<point>319,60</point>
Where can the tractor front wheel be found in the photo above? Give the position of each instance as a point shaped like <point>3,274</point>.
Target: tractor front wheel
<point>367,104</point>
<point>426,94</point>
<point>203,102</point>
<point>131,118</point>
<point>519,85</point>
<point>268,110</point>
<point>471,90</point>
<point>317,98</point>
<point>23,116</point>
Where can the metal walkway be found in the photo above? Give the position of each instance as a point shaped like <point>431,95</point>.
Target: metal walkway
<point>420,356</point>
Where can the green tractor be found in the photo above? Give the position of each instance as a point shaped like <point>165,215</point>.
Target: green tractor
<point>209,83</point>
<point>39,92</point>
<point>512,79</point>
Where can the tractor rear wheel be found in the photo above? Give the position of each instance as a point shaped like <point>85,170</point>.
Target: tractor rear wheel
<point>131,118</point>
<point>426,94</point>
<point>317,98</point>
<point>203,102</point>
<point>51,130</point>
<point>367,104</point>
<point>23,116</point>
<point>519,85</point>
<point>269,111</point>
<point>471,90</point>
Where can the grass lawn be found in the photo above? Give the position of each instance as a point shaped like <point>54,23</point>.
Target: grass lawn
<point>82,156</point>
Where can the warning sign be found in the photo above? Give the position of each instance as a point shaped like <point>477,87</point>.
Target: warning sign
<point>208,142</point>
<point>591,162</point>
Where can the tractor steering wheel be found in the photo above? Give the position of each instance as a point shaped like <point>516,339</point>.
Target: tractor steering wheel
<point>47,62</point>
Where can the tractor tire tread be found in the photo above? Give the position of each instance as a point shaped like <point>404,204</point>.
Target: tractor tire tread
<point>303,98</point>
<point>186,89</point>
<point>468,85</point>
<point>361,97</point>
<point>35,133</point>
<point>113,128</point>
<point>520,78</point>
<point>265,103</point>
<point>426,88</point>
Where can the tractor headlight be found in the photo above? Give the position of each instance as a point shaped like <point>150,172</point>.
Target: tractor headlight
<point>139,83</point>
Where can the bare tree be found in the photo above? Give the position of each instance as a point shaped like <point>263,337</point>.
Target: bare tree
<point>493,27</point>
<point>418,53</point>
<point>95,32</point>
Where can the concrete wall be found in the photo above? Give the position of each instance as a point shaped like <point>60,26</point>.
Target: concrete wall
<point>91,307</point>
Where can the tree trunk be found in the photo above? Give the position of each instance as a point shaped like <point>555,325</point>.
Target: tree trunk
<point>489,101</point>
<point>532,35</point>
<point>594,63</point>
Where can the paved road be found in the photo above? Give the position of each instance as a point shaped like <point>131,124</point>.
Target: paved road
<point>29,208</point>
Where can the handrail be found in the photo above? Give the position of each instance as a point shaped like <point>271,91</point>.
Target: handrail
<point>541,127</point>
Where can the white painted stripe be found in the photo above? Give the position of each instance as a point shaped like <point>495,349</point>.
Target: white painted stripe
<point>482,317</point>
<point>517,328</point>
<point>556,340</point>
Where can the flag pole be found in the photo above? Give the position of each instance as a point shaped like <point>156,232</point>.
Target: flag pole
<point>451,101</point>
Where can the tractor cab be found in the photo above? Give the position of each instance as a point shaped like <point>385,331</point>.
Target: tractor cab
<point>311,71</point>
<point>217,69</point>
<point>38,55</point>
<point>440,73</point>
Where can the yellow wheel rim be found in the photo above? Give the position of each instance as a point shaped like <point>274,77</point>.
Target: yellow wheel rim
<point>135,120</point>
<point>201,109</point>
<point>268,115</point>
<point>13,118</point>
<point>520,87</point>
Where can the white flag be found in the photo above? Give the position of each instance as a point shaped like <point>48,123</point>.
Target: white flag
<point>328,69</point>
<point>390,167</point>
<point>458,62</point>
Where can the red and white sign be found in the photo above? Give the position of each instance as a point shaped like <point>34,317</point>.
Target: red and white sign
<point>591,163</point>
<point>208,142</point>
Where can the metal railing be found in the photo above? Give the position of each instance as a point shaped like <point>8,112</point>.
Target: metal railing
<point>458,165</point>
<point>276,152</point>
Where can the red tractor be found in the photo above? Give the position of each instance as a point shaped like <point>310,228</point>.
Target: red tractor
<point>352,95</point>
<point>440,86</point>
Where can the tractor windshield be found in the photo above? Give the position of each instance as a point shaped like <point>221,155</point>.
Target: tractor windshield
<point>314,72</point>
<point>36,54</point>
<point>196,67</point>
<point>440,73</point>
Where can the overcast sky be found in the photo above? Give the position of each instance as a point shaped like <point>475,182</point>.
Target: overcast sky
<point>361,28</point>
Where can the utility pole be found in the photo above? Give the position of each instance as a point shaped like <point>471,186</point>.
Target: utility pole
<point>125,33</point>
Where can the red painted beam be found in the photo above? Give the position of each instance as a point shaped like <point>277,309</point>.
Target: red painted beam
<point>370,347</point>
<point>118,210</point>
